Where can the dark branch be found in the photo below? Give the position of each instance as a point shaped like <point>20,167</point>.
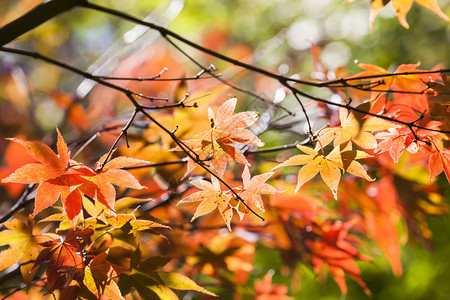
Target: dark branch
<point>35,17</point>
<point>87,75</point>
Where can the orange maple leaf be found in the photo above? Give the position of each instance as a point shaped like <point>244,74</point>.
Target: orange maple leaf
<point>407,82</point>
<point>403,106</point>
<point>50,165</point>
<point>381,217</point>
<point>439,161</point>
<point>341,157</point>
<point>253,188</point>
<point>57,176</point>
<point>401,8</point>
<point>266,290</point>
<point>210,197</point>
<point>353,129</point>
<point>332,246</point>
<point>218,144</point>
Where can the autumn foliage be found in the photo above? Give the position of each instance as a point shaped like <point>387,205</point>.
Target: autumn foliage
<point>116,226</point>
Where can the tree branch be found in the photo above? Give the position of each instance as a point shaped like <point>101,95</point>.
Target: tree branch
<point>285,81</point>
<point>87,75</point>
<point>35,17</point>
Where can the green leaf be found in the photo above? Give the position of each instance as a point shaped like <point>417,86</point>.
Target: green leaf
<point>148,287</point>
<point>144,291</point>
<point>147,279</point>
<point>125,283</point>
<point>125,203</point>
<point>181,282</point>
<point>153,263</point>
<point>136,257</point>
<point>163,292</point>
<point>110,290</point>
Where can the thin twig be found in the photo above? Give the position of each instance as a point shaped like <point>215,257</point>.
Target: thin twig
<point>87,75</point>
<point>123,133</point>
<point>311,134</point>
<point>20,203</point>
<point>161,164</point>
<point>90,140</point>
<point>344,80</point>
<point>155,79</point>
<point>221,80</point>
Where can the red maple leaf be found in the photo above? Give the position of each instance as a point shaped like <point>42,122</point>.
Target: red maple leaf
<point>336,249</point>
<point>439,161</point>
<point>64,258</point>
<point>397,140</point>
<point>58,176</point>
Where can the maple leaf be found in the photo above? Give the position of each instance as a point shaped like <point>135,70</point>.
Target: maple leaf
<point>60,177</point>
<point>266,290</point>
<point>397,140</point>
<point>381,219</point>
<point>341,157</point>
<point>439,161</point>
<point>220,254</point>
<point>401,8</point>
<point>353,129</point>
<point>120,220</point>
<point>409,103</point>
<point>218,144</point>
<point>64,258</point>
<point>24,247</point>
<point>210,198</point>
<point>441,93</point>
<point>15,156</point>
<point>407,82</point>
<point>97,278</point>
<point>254,187</point>
<point>332,246</point>
<point>51,173</point>
<point>50,165</point>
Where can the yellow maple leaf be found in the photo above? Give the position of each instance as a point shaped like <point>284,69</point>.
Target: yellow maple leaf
<point>341,157</point>
<point>353,129</point>
<point>402,7</point>
<point>24,246</point>
<point>210,197</point>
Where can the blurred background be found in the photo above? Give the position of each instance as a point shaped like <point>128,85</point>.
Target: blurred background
<point>275,35</point>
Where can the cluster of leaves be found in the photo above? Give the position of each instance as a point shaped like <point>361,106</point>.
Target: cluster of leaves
<point>83,262</point>
<point>85,239</point>
<point>58,176</point>
<point>402,8</point>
